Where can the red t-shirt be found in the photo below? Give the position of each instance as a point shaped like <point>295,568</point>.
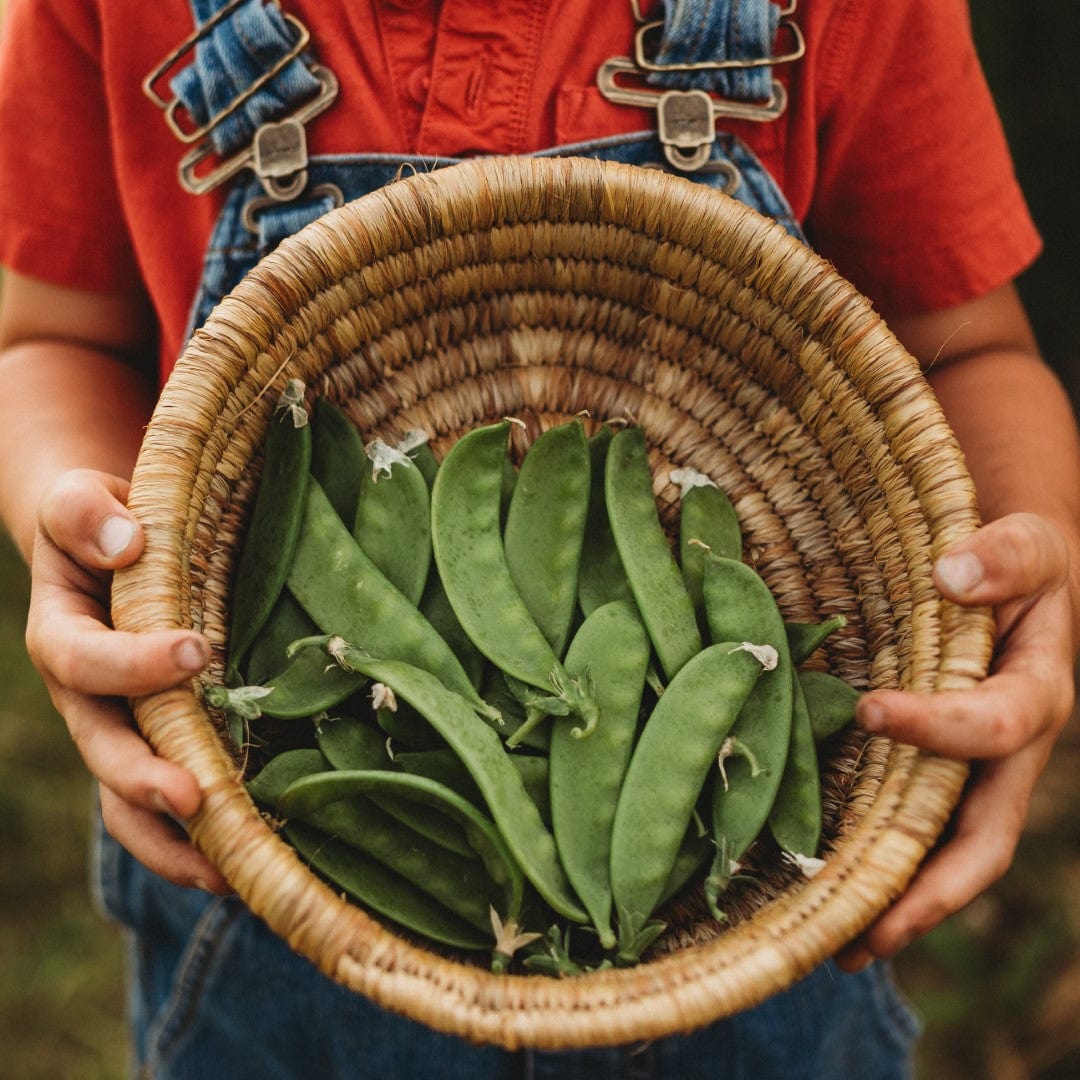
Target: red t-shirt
<point>890,151</point>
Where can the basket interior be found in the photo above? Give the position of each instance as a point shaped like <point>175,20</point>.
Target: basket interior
<point>542,290</point>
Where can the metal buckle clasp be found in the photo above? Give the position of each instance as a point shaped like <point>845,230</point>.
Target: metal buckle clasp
<point>686,118</point>
<point>173,108</point>
<point>280,148</point>
<point>796,51</point>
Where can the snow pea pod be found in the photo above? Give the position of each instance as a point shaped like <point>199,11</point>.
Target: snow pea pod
<point>670,763</point>
<point>268,785</point>
<point>307,685</point>
<point>393,522</point>
<point>349,743</point>
<point>310,794</point>
<point>795,818</point>
<point>804,639</point>
<point>707,517</point>
<point>545,527</point>
<point>274,528</point>
<point>269,652</point>
<point>601,577</point>
<point>469,554</point>
<point>381,890</point>
<point>612,647</point>
<point>337,457</point>
<point>345,593</point>
<point>651,569</point>
<point>830,702</point>
<point>481,750</point>
<point>738,602</point>
<point>461,884</point>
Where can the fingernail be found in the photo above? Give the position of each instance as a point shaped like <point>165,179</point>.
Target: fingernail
<point>190,655</point>
<point>199,883</point>
<point>114,535</point>
<point>871,715</point>
<point>163,806</point>
<point>960,573</point>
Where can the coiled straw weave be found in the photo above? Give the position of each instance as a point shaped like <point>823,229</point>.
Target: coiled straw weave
<point>539,289</point>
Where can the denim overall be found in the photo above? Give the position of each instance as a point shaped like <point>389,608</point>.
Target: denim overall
<point>214,994</point>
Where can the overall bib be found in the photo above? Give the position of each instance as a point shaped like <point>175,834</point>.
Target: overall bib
<point>214,995</point>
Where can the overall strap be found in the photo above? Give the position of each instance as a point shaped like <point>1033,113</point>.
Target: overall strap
<point>242,86</point>
<point>703,61</point>
<point>724,47</point>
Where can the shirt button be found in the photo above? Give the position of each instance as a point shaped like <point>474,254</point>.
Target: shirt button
<point>418,84</point>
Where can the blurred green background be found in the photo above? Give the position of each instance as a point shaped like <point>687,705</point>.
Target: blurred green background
<point>998,986</point>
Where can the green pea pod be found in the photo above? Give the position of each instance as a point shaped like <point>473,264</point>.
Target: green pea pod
<point>830,702</point>
<point>407,728</point>
<point>337,457</point>
<point>269,652</point>
<point>795,819</point>
<point>423,457</point>
<point>612,648</point>
<point>738,603</point>
<point>311,793</point>
<point>268,785</point>
<point>804,639</point>
<point>350,744</point>
<point>467,539</point>
<point>443,766</point>
<point>345,593</point>
<point>276,520</point>
<point>671,761</point>
<point>461,884</point>
<point>481,750</point>
<point>535,777</point>
<point>435,607</point>
<point>393,523</point>
<point>601,578</point>
<point>545,527</point>
<point>706,517</point>
<point>695,853</point>
<point>308,685</point>
<point>653,574</point>
<point>381,890</point>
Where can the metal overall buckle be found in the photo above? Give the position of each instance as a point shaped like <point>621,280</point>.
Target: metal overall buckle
<point>278,151</point>
<point>686,119</point>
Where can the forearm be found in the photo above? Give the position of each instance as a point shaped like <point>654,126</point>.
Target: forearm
<point>1017,429</point>
<point>63,406</point>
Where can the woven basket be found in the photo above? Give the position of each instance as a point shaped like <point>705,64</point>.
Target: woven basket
<point>538,289</point>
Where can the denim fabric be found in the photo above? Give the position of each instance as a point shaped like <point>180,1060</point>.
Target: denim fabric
<point>229,59</point>
<point>213,993</point>
<point>700,30</point>
<point>216,995</point>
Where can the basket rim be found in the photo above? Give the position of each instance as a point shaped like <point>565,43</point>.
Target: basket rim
<point>223,375</point>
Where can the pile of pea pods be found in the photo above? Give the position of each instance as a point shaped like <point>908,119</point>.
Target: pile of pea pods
<point>496,706</point>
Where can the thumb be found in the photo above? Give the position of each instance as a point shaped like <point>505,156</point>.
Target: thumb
<point>83,513</point>
<point>1016,557</point>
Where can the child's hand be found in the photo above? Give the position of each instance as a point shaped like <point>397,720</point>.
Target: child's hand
<point>1007,725</point>
<point>85,532</point>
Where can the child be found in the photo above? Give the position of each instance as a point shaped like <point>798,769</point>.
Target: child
<point>877,141</point>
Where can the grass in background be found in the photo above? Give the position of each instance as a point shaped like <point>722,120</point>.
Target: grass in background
<point>61,1000</point>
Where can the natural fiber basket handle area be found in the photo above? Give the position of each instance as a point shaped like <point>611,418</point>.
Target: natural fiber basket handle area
<point>540,288</point>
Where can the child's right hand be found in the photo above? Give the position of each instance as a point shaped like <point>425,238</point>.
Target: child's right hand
<point>84,533</point>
